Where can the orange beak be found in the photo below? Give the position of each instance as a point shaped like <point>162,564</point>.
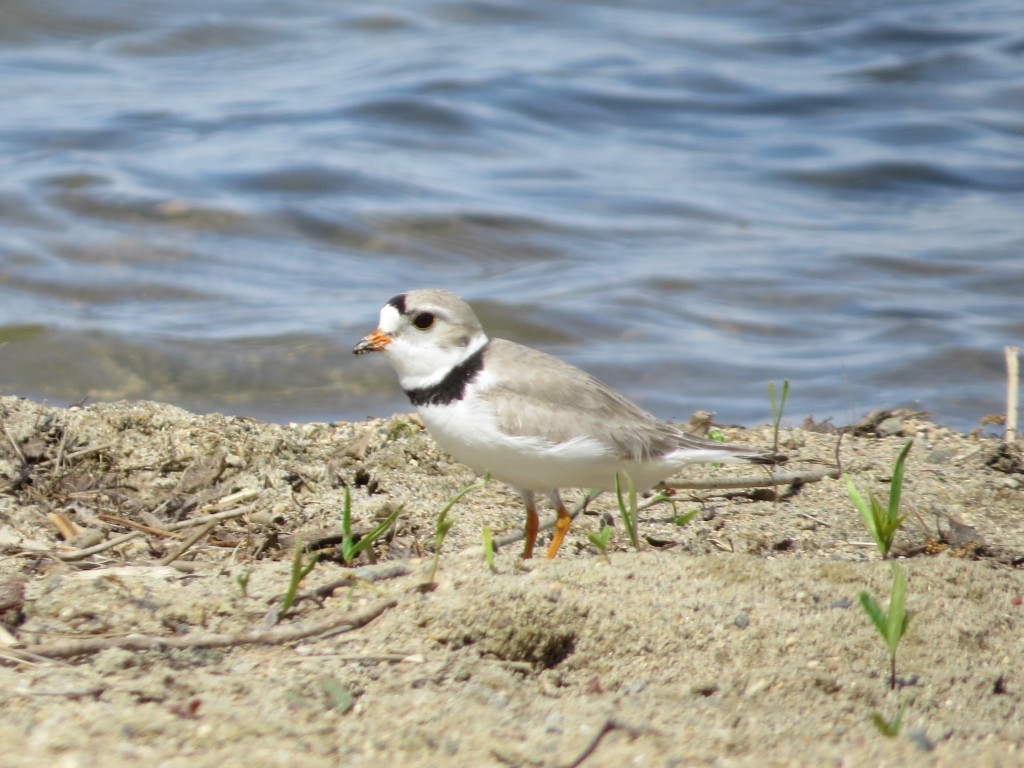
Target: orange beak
<point>375,342</point>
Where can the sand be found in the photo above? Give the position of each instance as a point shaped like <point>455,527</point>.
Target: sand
<point>735,639</point>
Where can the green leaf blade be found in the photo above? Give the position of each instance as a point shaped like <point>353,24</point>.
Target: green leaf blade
<point>367,541</point>
<point>628,509</point>
<point>859,503</point>
<point>489,549</point>
<point>684,519</point>
<point>896,484</point>
<point>874,612</point>
<point>896,621</point>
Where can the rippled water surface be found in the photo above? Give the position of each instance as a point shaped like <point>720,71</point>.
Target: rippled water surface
<point>688,199</point>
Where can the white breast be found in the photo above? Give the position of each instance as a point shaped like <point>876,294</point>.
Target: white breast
<point>468,430</point>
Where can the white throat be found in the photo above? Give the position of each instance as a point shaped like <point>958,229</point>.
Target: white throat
<point>422,365</point>
<point>422,358</point>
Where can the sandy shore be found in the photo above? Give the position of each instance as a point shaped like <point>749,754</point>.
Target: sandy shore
<point>736,639</point>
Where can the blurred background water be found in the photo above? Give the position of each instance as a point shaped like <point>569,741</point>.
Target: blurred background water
<point>207,204</point>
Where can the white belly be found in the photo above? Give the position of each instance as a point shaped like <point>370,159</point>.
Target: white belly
<point>471,436</point>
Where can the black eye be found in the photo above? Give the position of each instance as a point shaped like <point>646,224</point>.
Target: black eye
<point>423,320</point>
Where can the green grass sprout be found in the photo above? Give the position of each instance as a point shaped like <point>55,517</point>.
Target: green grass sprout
<point>601,540</point>
<point>341,698</point>
<point>719,437</point>
<point>893,624</point>
<point>882,520</point>
<point>889,728</point>
<point>242,580</point>
<point>684,519</point>
<point>777,409</point>
<point>659,499</point>
<point>298,573</point>
<point>400,429</point>
<point>628,507</point>
<point>350,547</point>
<point>444,524</point>
<point>489,549</point>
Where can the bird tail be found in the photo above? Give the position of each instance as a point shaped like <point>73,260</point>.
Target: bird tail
<point>703,450</point>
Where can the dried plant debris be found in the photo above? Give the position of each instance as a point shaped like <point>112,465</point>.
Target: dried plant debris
<point>12,599</point>
<point>948,536</point>
<point>93,473</point>
<point>885,423</point>
<point>1007,458</point>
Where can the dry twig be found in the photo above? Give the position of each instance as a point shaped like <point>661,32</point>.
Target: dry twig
<point>14,445</point>
<point>1012,392</point>
<point>81,554</point>
<point>151,530</point>
<point>609,726</point>
<point>191,540</point>
<point>66,649</point>
<point>721,484</point>
<point>366,575</point>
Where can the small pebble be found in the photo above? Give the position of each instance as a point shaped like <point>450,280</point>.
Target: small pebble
<point>940,456</point>
<point>920,738</point>
<point>757,686</point>
<point>551,725</point>
<point>891,426</point>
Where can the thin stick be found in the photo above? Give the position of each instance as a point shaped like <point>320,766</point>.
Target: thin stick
<point>231,513</point>
<point>86,451</point>
<point>722,484</point>
<point>189,542</point>
<point>236,498</point>
<point>81,554</point>
<point>367,574</point>
<point>137,526</point>
<point>71,693</point>
<point>819,521</point>
<point>1012,392</point>
<point>59,461</point>
<point>66,649</point>
<point>14,445</point>
<point>609,726</point>
<point>393,658</point>
<point>62,457</point>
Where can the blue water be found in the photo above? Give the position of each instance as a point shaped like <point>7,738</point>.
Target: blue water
<point>688,199</point>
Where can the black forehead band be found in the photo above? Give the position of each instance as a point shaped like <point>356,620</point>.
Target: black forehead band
<point>398,302</point>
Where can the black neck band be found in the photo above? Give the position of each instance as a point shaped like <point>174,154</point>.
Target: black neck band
<point>453,386</point>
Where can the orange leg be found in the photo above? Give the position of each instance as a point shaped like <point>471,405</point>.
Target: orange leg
<point>532,526</point>
<point>561,528</point>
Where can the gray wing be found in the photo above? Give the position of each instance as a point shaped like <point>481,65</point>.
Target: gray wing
<point>541,396</point>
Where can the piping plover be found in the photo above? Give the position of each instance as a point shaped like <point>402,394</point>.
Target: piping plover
<point>528,418</point>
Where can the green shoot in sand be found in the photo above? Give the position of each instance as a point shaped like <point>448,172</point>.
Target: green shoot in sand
<point>882,520</point>
<point>891,625</point>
